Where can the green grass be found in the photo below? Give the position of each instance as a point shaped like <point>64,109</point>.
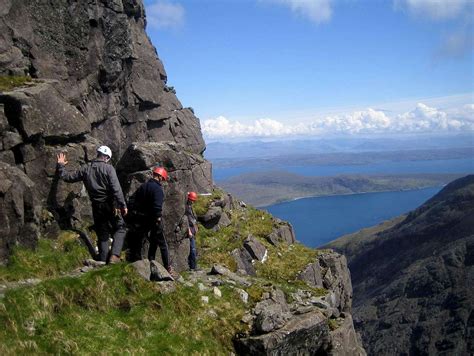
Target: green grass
<point>114,311</point>
<point>284,261</point>
<point>216,247</point>
<point>11,82</point>
<point>50,259</point>
<point>202,204</point>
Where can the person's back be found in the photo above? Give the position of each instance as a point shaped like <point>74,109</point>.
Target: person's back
<point>148,203</point>
<point>149,199</point>
<point>105,193</point>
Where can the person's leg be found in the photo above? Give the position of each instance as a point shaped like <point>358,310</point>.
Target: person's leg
<point>157,238</point>
<point>102,229</point>
<point>120,232</point>
<point>192,253</point>
<point>153,240</point>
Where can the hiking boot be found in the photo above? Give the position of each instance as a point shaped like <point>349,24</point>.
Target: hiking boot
<point>172,272</point>
<point>114,259</point>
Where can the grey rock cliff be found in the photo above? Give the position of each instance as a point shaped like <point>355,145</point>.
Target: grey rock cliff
<point>97,80</point>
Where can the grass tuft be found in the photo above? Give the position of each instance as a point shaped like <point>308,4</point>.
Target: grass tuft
<point>12,82</point>
<point>50,259</point>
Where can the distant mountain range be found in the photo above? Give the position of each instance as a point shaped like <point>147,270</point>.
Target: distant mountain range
<point>277,148</point>
<point>266,188</point>
<point>413,277</point>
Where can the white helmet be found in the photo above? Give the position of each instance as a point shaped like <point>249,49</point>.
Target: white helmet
<point>105,151</point>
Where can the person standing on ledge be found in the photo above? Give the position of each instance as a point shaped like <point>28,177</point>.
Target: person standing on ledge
<point>192,230</point>
<point>148,207</point>
<point>108,203</point>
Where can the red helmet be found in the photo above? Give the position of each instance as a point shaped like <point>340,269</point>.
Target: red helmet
<point>192,196</point>
<point>161,172</point>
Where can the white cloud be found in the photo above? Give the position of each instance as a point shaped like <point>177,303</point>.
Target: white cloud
<point>317,11</point>
<point>165,14</point>
<point>434,9</point>
<point>422,118</point>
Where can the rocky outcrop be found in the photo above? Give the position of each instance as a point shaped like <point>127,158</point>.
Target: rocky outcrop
<point>19,214</point>
<point>282,232</point>
<point>303,327</point>
<point>413,281</point>
<point>309,324</point>
<point>96,79</point>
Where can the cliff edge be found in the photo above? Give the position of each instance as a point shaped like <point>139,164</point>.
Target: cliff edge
<point>413,277</point>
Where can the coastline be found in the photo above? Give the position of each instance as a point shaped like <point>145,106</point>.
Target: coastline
<point>346,194</point>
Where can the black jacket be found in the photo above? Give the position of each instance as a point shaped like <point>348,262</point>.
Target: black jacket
<point>100,180</point>
<point>149,198</point>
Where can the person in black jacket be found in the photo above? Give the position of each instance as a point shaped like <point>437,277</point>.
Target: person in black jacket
<point>108,203</point>
<point>192,230</point>
<point>148,206</point>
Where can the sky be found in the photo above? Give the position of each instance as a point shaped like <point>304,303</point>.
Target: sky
<point>289,68</point>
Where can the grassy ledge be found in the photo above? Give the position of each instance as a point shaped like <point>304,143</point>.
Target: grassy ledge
<point>113,310</point>
<point>11,82</point>
<point>50,259</point>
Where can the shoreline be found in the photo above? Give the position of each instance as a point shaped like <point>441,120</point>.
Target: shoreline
<point>346,194</point>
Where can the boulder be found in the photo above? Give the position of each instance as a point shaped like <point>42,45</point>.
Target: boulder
<point>151,270</point>
<point>215,218</point>
<point>159,273</point>
<point>255,248</point>
<point>304,334</point>
<point>271,313</point>
<point>19,210</point>
<point>282,233</point>
<point>221,270</point>
<point>312,275</point>
<point>142,267</point>
<point>243,259</point>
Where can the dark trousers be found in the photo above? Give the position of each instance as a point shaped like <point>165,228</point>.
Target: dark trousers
<point>107,224</point>
<point>192,253</point>
<point>146,228</point>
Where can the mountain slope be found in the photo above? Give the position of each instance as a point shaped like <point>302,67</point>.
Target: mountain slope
<point>266,188</point>
<point>413,281</point>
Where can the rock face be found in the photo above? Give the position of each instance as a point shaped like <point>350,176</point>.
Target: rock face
<point>413,281</point>
<point>19,215</point>
<point>96,80</point>
<point>308,325</point>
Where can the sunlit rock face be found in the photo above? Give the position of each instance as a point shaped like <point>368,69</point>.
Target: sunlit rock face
<point>96,79</point>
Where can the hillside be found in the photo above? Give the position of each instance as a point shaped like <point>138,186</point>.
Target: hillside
<point>266,188</point>
<point>75,75</point>
<point>413,277</point>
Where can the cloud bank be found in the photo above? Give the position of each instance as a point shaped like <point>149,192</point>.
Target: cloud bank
<point>164,14</point>
<point>421,119</point>
<point>434,9</point>
<point>317,11</point>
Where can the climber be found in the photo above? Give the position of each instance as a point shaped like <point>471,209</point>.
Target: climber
<point>148,205</point>
<point>108,203</point>
<point>192,230</point>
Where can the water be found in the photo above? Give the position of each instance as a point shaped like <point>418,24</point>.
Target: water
<point>319,220</point>
<point>463,165</point>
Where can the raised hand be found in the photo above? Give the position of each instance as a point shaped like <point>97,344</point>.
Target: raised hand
<point>62,158</point>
